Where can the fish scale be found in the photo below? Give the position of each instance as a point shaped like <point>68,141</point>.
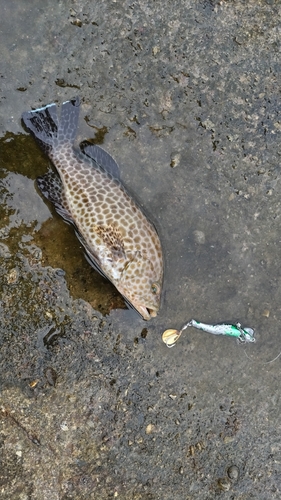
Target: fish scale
<point>86,191</point>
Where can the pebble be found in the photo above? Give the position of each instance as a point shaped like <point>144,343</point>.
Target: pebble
<point>13,276</point>
<point>224,483</point>
<point>199,237</point>
<point>149,428</point>
<point>175,160</point>
<point>233,472</point>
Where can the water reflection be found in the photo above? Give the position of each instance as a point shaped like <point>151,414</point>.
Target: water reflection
<point>22,203</point>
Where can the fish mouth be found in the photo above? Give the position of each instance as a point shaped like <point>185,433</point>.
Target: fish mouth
<point>146,312</point>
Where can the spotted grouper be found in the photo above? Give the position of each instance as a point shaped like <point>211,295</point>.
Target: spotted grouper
<point>85,188</point>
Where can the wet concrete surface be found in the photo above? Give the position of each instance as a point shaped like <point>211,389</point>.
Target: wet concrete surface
<point>186,97</point>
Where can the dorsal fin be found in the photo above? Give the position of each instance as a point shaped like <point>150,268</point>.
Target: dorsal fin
<point>102,158</point>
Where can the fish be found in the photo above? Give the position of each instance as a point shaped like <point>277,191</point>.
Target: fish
<point>85,188</point>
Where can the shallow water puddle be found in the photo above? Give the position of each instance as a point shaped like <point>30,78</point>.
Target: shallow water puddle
<point>26,220</point>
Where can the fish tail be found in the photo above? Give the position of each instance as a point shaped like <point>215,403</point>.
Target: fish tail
<point>50,131</point>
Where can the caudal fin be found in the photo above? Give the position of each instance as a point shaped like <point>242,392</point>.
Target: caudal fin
<point>50,131</point>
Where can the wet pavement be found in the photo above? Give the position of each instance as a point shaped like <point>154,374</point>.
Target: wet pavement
<point>186,97</point>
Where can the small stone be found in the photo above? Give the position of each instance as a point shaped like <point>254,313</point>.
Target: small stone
<point>266,313</point>
<point>173,396</point>
<point>199,237</point>
<point>13,276</point>
<point>155,50</point>
<point>175,160</point>
<point>149,429</point>
<point>77,22</point>
<point>191,450</point>
<point>64,427</point>
<point>60,272</point>
<point>37,254</point>
<point>209,125</point>
<point>233,472</point>
<point>33,383</point>
<point>228,439</point>
<point>200,446</point>
<point>224,484</point>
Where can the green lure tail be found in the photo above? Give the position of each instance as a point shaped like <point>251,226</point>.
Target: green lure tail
<point>244,335</point>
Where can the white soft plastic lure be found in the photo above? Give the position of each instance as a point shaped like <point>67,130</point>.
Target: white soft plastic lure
<point>171,336</point>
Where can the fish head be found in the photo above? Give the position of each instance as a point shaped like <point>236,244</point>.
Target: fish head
<point>141,286</point>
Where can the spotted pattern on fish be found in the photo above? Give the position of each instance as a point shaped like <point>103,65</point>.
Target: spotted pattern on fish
<point>86,190</point>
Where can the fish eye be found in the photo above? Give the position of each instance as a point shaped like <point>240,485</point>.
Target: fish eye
<point>155,288</point>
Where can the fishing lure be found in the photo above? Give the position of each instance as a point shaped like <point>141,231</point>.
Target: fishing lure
<point>243,335</point>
